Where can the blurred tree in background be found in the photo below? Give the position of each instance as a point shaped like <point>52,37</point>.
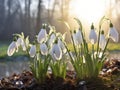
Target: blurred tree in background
<point>27,16</point>
<point>17,16</point>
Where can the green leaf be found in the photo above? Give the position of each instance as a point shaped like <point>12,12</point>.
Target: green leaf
<point>79,22</point>
<point>68,26</point>
<point>27,41</point>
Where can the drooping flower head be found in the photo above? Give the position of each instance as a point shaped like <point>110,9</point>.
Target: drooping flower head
<point>102,41</point>
<point>43,49</point>
<point>62,46</point>
<point>56,51</point>
<point>74,37</point>
<point>42,35</point>
<point>20,42</point>
<point>113,34</point>
<point>32,51</point>
<point>12,48</point>
<point>52,38</point>
<point>92,35</point>
<point>79,36</point>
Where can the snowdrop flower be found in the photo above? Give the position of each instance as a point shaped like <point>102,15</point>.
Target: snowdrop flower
<point>19,41</point>
<point>113,34</point>
<point>51,39</point>
<point>62,46</point>
<point>52,36</point>
<point>43,49</point>
<point>42,35</point>
<point>102,42</point>
<point>74,38</point>
<point>11,49</point>
<point>79,36</point>
<point>92,35</point>
<point>56,52</point>
<point>32,51</point>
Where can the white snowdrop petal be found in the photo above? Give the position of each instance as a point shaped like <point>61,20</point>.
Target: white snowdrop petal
<point>32,51</point>
<point>102,42</point>
<point>74,38</point>
<point>93,36</point>
<point>56,52</point>
<point>53,36</point>
<point>17,47</point>
<point>11,48</point>
<point>52,54</point>
<point>42,36</point>
<point>100,54</point>
<point>51,39</point>
<point>62,46</point>
<point>43,49</point>
<point>79,37</point>
<point>19,41</point>
<point>114,35</point>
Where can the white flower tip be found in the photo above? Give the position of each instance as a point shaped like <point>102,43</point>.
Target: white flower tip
<point>44,49</point>
<point>11,49</point>
<point>56,52</point>
<point>32,51</point>
<point>42,36</point>
<point>113,34</point>
<point>93,36</point>
<point>102,42</point>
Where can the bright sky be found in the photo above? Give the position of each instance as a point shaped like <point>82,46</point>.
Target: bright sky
<point>88,10</point>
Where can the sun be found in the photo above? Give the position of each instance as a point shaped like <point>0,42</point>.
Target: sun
<point>88,10</point>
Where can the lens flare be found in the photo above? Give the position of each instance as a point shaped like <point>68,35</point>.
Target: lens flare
<point>88,10</point>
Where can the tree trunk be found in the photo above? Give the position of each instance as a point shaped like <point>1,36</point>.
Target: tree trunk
<point>2,15</point>
<point>38,23</point>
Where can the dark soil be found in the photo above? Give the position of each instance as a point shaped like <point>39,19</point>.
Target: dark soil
<point>108,80</point>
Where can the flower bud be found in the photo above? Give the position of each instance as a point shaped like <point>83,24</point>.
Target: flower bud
<point>92,35</point>
<point>32,51</point>
<point>11,49</point>
<point>56,52</point>
<point>113,34</point>
<point>42,36</point>
<point>43,49</point>
<point>102,41</point>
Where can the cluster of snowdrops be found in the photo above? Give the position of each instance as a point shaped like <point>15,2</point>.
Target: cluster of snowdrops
<point>49,51</point>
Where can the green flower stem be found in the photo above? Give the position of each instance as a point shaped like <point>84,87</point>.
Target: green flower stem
<point>69,53</point>
<point>93,51</point>
<point>79,51</point>
<point>103,19</point>
<point>79,22</point>
<point>105,47</point>
<point>84,42</point>
<point>98,41</point>
<point>58,69</point>
<point>73,44</point>
<point>93,58</point>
